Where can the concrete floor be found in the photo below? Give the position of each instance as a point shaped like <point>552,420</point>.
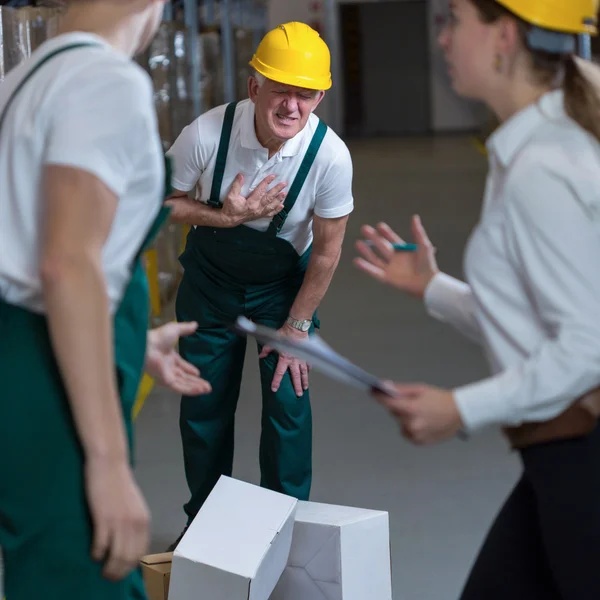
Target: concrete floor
<point>441,499</point>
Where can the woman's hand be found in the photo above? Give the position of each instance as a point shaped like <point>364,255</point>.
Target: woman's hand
<point>167,367</point>
<point>426,414</point>
<point>408,271</point>
<point>120,516</point>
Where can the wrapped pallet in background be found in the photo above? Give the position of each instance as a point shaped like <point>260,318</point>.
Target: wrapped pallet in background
<point>159,63</point>
<point>211,69</point>
<point>167,61</point>
<point>244,49</point>
<point>160,66</point>
<point>23,30</point>
<point>183,106</point>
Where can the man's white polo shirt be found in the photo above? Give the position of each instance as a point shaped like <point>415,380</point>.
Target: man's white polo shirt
<point>327,191</point>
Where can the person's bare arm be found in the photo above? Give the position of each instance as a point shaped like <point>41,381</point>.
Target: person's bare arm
<point>79,214</point>
<point>328,237</point>
<point>186,211</point>
<point>79,211</point>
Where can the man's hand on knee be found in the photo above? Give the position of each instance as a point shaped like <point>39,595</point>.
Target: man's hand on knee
<point>298,368</point>
<point>298,373</point>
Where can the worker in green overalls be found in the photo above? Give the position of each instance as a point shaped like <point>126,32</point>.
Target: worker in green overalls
<point>272,192</point>
<point>82,183</point>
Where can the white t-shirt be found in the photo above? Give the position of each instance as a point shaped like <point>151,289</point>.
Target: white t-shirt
<point>327,191</point>
<point>90,108</point>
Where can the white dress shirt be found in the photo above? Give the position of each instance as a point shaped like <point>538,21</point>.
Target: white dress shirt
<point>533,271</point>
<point>326,193</point>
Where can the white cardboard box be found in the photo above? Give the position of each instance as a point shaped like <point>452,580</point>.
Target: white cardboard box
<point>338,553</point>
<point>237,547</point>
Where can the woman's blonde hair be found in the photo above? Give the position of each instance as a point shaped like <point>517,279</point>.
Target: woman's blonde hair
<point>580,79</point>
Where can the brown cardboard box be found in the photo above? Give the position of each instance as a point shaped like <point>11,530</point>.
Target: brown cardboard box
<point>157,575</point>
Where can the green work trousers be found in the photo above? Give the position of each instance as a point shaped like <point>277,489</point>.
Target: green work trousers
<point>228,273</point>
<point>45,527</point>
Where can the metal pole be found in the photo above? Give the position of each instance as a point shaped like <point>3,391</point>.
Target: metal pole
<point>168,14</point>
<point>240,13</point>
<point>210,11</point>
<point>228,52</point>
<point>585,46</point>
<point>259,18</point>
<point>190,8</point>
<point>335,106</point>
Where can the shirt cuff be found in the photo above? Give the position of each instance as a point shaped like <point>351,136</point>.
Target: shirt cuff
<point>96,166</point>
<point>180,186</point>
<point>481,404</point>
<point>443,294</point>
<point>336,212</point>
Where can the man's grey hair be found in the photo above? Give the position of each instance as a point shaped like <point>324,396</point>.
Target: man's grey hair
<point>260,78</point>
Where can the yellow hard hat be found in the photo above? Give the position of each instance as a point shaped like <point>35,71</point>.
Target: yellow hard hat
<point>567,16</point>
<point>294,54</point>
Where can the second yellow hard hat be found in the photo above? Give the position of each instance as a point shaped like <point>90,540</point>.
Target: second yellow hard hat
<point>567,16</point>
<point>294,54</point>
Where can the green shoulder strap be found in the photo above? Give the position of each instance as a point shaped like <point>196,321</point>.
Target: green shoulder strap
<point>280,218</point>
<point>215,192</point>
<point>34,70</point>
<point>159,221</point>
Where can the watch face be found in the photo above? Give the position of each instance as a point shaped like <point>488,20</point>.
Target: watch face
<point>305,326</point>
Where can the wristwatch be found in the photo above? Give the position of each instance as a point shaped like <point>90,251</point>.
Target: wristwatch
<point>303,325</point>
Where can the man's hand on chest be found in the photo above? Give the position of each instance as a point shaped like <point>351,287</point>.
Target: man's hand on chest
<point>262,202</point>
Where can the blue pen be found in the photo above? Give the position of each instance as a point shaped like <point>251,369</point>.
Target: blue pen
<point>397,247</point>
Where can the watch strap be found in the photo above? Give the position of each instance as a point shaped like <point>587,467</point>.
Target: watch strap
<point>299,324</point>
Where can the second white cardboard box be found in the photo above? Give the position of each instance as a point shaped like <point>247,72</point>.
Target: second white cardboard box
<point>237,547</point>
<point>338,553</point>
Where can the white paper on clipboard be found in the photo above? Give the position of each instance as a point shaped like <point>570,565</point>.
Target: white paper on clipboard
<point>317,354</point>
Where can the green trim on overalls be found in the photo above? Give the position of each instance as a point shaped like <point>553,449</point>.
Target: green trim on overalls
<point>45,528</point>
<point>241,271</point>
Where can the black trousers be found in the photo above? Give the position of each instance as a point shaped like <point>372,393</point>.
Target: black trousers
<point>545,542</point>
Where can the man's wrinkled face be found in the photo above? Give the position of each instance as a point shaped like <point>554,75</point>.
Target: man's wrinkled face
<point>282,109</point>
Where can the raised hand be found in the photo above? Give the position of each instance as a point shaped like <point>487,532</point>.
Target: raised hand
<point>164,363</point>
<point>410,272</point>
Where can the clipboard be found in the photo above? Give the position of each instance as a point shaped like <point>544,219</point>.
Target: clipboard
<point>317,354</point>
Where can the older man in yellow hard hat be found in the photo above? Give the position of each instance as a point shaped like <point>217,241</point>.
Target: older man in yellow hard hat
<point>273,192</point>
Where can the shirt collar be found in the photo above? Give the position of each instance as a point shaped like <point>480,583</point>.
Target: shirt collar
<point>248,137</point>
<point>73,37</point>
<point>249,140</point>
<point>512,135</point>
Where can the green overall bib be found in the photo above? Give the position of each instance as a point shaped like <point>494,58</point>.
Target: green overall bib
<point>241,271</point>
<point>45,526</point>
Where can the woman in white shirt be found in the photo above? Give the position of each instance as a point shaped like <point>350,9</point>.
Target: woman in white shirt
<point>532,297</point>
